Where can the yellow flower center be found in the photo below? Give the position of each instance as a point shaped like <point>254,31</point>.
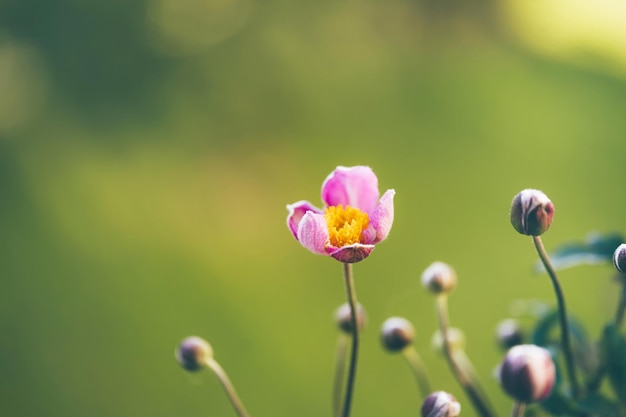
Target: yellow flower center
<point>345,225</point>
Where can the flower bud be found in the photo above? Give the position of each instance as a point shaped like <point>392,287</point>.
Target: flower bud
<point>456,338</point>
<point>193,352</point>
<point>531,212</point>
<point>343,318</point>
<point>439,278</point>
<point>396,334</point>
<point>440,404</point>
<point>619,258</point>
<point>527,373</point>
<point>509,333</point>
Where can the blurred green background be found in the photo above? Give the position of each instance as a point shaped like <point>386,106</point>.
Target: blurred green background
<point>148,149</point>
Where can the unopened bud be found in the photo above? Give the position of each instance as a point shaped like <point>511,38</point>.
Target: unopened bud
<point>439,278</point>
<point>193,353</point>
<point>440,404</point>
<point>531,212</point>
<point>527,373</point>
<point>456,339</point>
<point>619,258</point>
<point>343,318</point>
<point>397,333</point>
<point>509,333</point>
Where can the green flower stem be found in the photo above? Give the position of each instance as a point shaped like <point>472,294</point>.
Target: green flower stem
<point>351,294</point>
<point>471,390</point>
<point>419,370</point>
<point>340,366</point>
<point>565,338</point>
<point>518,409</point>
<point>460,357</point>
<point>228,387</point>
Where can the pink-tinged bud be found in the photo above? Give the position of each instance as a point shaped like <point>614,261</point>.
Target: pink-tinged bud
<point>509,333</point>
<point>527,373</point>
<point>439,278</point>
<point>396,334</point>
<point>531,212</point>
<point>440,404</point>
<point>193,353</point>
<point>343,318</point>
<point>619,258</point>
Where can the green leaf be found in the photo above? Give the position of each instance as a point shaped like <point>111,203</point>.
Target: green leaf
<point>541,334</point>
<point>596,249</point>
<point>613,345</point>
<point>546,333</point>
<point>558,404</point>
<point>597,405</point>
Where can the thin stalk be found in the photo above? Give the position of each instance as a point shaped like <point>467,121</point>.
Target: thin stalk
<point>351,294</point>
<point>472,392</point>
<point>340,367</point>
<point>565,338</point>
<point>418,368</point>
<point>518,409</point>
<point>228,387</point>
<point>463,361</point>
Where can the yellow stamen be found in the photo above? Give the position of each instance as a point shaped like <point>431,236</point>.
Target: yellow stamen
<point>345,225</point>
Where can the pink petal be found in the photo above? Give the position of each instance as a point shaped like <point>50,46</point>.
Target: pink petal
<point>313,232</point>
<point>382,217</point>
<point>368,235</point>
<point>296,211</point>
<point>355,186</point>
<point>352,253</point>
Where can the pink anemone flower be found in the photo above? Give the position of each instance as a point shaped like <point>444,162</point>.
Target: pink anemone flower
<point>353,221</point>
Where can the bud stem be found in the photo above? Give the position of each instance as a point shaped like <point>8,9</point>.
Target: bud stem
<point>419,370</point>
<point>351,294</point>
<point>565,339</point>
<point>465,364</point>
<point>471,390</point>
<point>340,366</point>
<point>228,387</point>
<point>518,409</point>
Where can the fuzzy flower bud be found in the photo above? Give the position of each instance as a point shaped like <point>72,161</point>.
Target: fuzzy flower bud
<point>531,212</point>
<point>439,278</point>
<point>619,258</point>
<point>509,333</point>
<point>396,334</point>
<point>193,352</point>
<point>440,404</point>
<point>527,373</point>
<point>456,338</point>
<point>343,318</point>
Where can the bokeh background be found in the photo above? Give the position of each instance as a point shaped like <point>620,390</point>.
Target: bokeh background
<point>148,149</point>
